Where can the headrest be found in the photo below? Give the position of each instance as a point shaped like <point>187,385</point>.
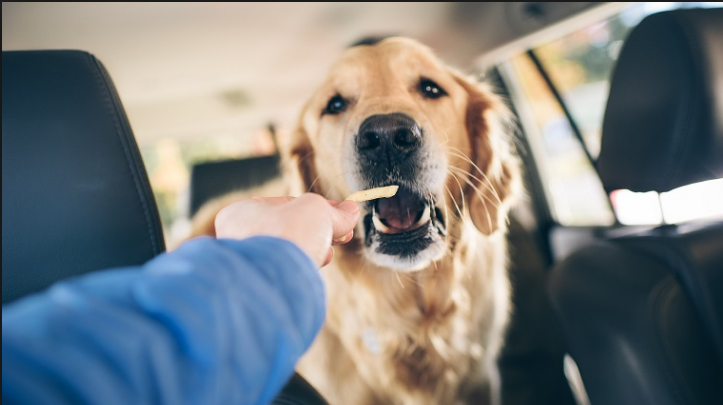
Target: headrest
<point>75,192</point>
<point>663,124</point>
<point>215,178</point>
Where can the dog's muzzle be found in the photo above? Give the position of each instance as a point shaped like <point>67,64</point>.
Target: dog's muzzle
<point>403,225</point>
<point>391,151</point>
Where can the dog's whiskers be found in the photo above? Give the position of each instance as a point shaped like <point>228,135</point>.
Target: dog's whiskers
<point>487,181</point>
<point>446,215</point>
<point>451,196</point>
<point>479,195</point>
<point>467,180</point>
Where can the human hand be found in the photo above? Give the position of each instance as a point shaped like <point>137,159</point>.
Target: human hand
<point>310,221</point>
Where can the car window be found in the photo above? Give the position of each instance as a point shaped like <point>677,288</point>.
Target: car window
<point>169,162</point>
<point>579,66</point>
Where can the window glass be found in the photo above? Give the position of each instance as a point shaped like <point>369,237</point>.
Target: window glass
<point>169,162</point>
<point>580,65</point>
<point>574,191</point>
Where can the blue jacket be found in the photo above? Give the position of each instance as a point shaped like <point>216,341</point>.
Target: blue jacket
<point>214,322</point>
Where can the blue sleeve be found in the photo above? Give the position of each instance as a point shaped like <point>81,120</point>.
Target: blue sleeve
<point>214,322</point>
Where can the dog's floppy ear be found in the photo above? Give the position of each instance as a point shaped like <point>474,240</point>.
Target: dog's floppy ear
<point>299,161</point>
<point>494,181</point>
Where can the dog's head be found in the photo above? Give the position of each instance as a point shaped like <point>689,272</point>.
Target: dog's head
<point>390,113</point>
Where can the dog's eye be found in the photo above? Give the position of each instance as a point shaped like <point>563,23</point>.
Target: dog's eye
<point>431,89</point>
<point>336,105</point>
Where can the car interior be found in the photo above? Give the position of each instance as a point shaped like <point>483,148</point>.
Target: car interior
<point>608,310</point>
<point>637,308</point>
<point>70,166</point>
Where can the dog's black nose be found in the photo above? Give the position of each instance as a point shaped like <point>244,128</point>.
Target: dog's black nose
<point>388,137</point>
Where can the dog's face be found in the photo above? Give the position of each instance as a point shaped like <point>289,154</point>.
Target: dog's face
<point>392,114</point>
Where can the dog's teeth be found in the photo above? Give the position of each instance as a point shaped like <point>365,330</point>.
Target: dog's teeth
<point>379,225</point>
<point>425,216</point>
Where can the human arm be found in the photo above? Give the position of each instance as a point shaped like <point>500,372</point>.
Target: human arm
<point>216,321</point>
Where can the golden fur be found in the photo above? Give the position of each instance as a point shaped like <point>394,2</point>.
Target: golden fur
<point>430,332</point>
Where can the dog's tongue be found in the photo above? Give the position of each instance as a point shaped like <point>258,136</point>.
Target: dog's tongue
<point>400,211</point>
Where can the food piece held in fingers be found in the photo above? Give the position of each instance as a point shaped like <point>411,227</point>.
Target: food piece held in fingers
<point>373,193</point>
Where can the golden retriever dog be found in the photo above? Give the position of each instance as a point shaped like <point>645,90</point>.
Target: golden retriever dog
<point>419,300</point>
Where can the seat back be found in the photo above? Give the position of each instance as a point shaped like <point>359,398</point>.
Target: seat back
<point>643,313</point>
<point>75,193</point>
<point>215,178</point>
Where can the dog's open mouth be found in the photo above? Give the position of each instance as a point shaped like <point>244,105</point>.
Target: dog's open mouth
<point>404,224</point>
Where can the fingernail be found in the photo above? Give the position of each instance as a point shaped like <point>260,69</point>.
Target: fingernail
<point>348,206</point>
<point>340,240</point>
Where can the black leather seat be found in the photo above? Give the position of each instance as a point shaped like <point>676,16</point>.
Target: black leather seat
<point>75,192</point>
<point>215,178</point>
<point>643,313</point>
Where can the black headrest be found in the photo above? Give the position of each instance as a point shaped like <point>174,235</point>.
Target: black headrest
<point>215,178</point>
<point>75,192</point>
<point>663,125</point>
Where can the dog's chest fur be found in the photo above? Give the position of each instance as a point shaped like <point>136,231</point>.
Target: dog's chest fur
<point>411,338</point>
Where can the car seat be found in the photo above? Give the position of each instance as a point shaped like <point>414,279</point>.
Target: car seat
<point>642,314</point>
<point>75,192</point>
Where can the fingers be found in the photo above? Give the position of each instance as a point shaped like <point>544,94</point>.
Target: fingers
<point>311,221</point>
<point>334,203</point>
<point>329,257</point>
<point>342,215</point>
<point>344,239</point>
<point>274,200</point>
<point>344,219</point>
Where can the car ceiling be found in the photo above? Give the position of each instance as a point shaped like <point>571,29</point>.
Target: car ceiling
<point>187,70</point>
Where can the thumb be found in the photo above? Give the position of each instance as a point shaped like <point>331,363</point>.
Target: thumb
<point>344,218</point>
